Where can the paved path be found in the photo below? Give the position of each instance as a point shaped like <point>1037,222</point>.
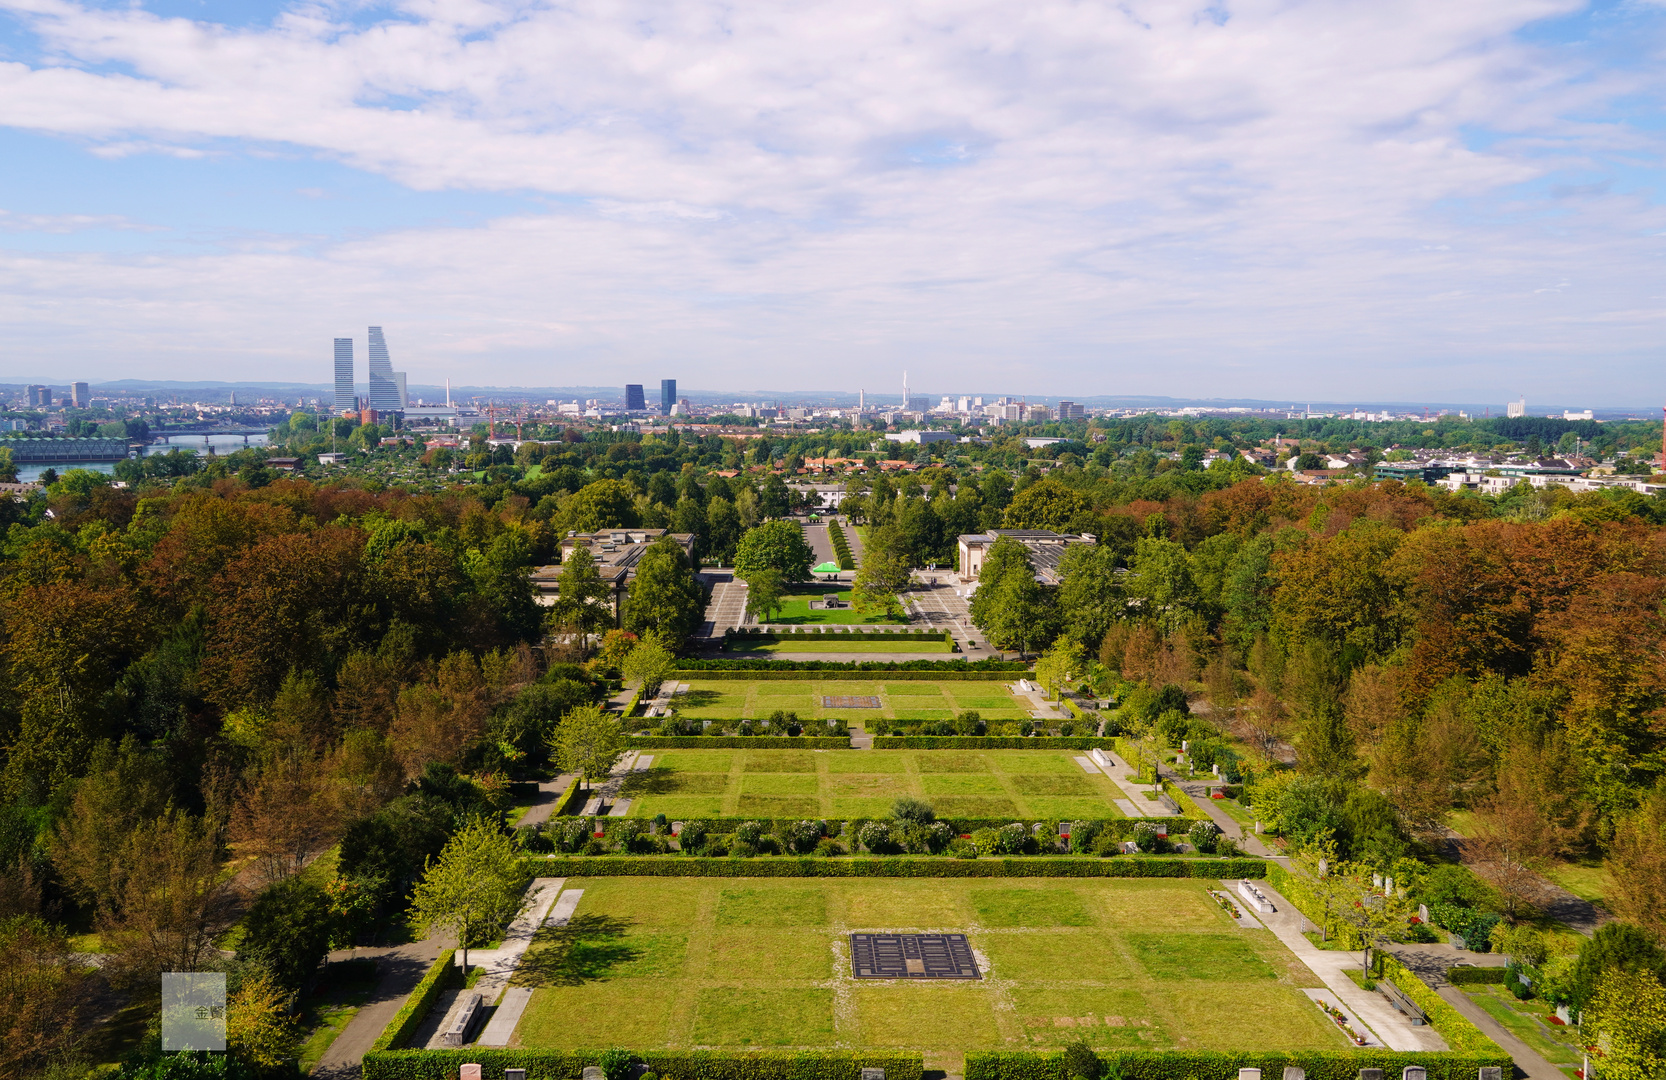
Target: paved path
<point>1389,1024</point>
<point>402,967</point>
<point>1123,774</point>
<point>1248,842</point>
<point>816,536</point>
<point>727,606</point>
<point>543,807</point>
<point>1526,1058</point>
<point>860,739</point>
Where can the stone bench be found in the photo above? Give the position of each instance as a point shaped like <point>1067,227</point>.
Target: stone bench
<point>468,1011</point>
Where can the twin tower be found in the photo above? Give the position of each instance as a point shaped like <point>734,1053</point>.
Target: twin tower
<point>387,386</point>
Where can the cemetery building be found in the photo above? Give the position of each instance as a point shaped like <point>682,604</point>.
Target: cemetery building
<point>616,551</point>
<point>1045,548</point>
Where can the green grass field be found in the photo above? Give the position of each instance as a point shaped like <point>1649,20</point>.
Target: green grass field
<point>738,700</point>
<point>838,644</point>
<point>726,963</point>
<point>847,784</point>
<point>796,609</point>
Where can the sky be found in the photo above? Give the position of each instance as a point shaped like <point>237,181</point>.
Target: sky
<point>1328,200</point>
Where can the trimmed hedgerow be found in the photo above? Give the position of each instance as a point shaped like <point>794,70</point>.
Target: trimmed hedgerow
<point>738,742</point>
<point>410,1015</point>
<point>696,669</point>
<point>1459,1033</point>
<point>1466,975</point>
<point>683,1064</point>
<point>991,742</point>
<point>891,866</point>
<point>1224,1065</point>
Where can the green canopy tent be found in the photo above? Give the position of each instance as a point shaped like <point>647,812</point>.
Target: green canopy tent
<point>826,568</point>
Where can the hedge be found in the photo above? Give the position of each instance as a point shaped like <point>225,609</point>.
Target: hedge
<point>992,742</point>
<point>572,800</point>
<point>1224,1065</point>
<point>1121,828</point>
<point>415,1010</point>
<point>758,634</point>
<point>1460,1034</point>
<point>1468,975</point>
<point>940,667</point>
<point>682,1064</point>
<point>926,866</point>
<point>738,742</point>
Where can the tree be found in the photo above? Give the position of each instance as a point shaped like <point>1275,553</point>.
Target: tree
<point>1012,609</point>
<point>886,571</point>
<point>39,988</point>
<point>665,597</point>
<point>286,814</point>
<point>1535,817</point>
<point>287,931</point>
<point>1371,917</point>
<point>8,468</point>
<point>775,545</point>
<point>1316,867</point>
<point>1161,582</point>
<point>1089,594</point>
<point>1637,867</point>
<point>648,665</point>
<point>765,590</point>
<point>605,504</point>
<point>1064,659</point>
<point>260,1032</point>
<point>1626,1019</point>
<point>589,742</point>
<point>582,604</point>
<point>1047,505</point>
<point>441,719</point>
<point>169,902</point>
<point>474,888</point>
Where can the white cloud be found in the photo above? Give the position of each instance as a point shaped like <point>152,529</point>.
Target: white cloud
<point>1074,197</point>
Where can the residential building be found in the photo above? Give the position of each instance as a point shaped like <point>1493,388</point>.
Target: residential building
<point>920,437</point>
<point>667,396</point>
<point>634,401</point>
<point>79,396</point>
<point>345,401</point>
<point>1069,410</point>
<point>616,551</point>
<point>1046,549</point>
<point>40,397</point>
<point>384,387</point>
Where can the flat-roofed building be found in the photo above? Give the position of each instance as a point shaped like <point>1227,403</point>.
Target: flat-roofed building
<point>1046,550</point>
<point>616,551</point>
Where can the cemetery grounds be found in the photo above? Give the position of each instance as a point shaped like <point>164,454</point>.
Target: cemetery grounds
<point>717,699</point>
<point>765,963</point>
<point>848,784</point>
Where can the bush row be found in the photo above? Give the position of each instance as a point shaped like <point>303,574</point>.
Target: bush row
<point>841,546</point>
<point>1224,1065</point>
<point>573,799</point>
<point>991,742</point>
<point>929,669</point>
<point>415,1010</point>
<point>737,742</point>
<point>1460,1034</point>
<point>753,633</point>
<point>893,866</point>
<point>678,1064</point>
<point>1466,975</point>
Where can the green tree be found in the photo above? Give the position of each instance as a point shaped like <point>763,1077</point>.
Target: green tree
<point>287,931</point>
<point>665,598</point>
<point>886,572</point>
<point>605,504</point>
<point>1048,504</point>
<point>1013,610</point>
<point>8,468</point>
<point>583,601</point>
<point>588,742</point>
<point>1626,1019</point>
<point>1162,582</point>
<point>1089,596</point>
<point>474,888</point>
<point>648,664</point>
<point>765,590</point>
<point>1065,659</point>
<point>775,545</point>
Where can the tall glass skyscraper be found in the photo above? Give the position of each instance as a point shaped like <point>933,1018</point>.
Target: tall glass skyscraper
<point>345,401</point>
<point>634,401</point>
<point>384,388</point>
<point>667,395</point>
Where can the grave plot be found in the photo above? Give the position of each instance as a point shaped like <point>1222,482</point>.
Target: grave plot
<point>912,956</point>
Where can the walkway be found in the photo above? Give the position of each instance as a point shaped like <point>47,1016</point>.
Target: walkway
<point>543,807</point>
<point>1136,804</point>
<point>402,967</point>
<point>1526,1058</point>
<point>1247,842</point>
<point>727,607</point>
<point>1389,1024</point>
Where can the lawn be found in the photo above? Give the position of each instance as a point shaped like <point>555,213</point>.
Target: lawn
<point>722,700</point>
<point>848,784</point>
<point>841,644</point>
<point>765,963</point>
<point>795,609</point>
<point>1529,1021</point>
<point>1588,882</point>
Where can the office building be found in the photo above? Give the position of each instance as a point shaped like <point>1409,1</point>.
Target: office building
<point>1069,410</point>
<point>40,397</point>
<point>634,401</point>
<point>667,396</point>
<point>384,389</point>
<point>345,401</point>
<point>404,398</point>
<point>79,396</point>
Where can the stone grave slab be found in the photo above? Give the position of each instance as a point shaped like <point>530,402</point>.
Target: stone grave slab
<point>912,956</point>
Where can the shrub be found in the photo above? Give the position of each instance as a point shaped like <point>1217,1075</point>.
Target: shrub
<point>748,832</point>
<point>876,837</point>
<point>915,811</point>
<point>829,847</point>
<point>803,836</point>
<point>897,866</point>
<point>1145,837</point>
<point>411,1015</point>
<point>923,839</point>
<point>1010,839</point>
<point>962,848</point>
<point>287,931</point>
<point>1203,835</point>
<point>616,1063</point>
<point>1081,1062</point>
<point>693,836</point>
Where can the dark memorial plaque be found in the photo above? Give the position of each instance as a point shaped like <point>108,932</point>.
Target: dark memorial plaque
<point>848,701</point>
<point>912,956</point>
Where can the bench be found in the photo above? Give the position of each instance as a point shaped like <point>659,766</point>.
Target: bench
<point>467,1012</point>
<point>1397,997</point>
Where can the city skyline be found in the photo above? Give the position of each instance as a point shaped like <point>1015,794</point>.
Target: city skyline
<point>1318,200</point>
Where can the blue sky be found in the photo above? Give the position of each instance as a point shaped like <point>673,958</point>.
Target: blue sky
<point>1331,200</point>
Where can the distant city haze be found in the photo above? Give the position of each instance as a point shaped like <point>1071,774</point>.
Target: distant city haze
<point>1322,201</point>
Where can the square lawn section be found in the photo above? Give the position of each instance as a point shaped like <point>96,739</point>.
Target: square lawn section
<point>765,962</point>
<point>846,784</point>
<point>740,700</point>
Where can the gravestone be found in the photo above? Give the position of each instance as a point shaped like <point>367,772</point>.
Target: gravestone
<point>514,1074</point>
<point>470,1071</point>
<point>1423,913</point>
<point>676,828</point>
<point>1294,1072</point>
<point>594,1072</point>
<point>705,725</point>
<point>1376,881</point>
<point>873,1074</point>
<point>1249,1074</point>
<point>1414,1072</point>
<point>653,828</point>
<point>1370,1074</point>
<point>1216,768</point>
<point>1492,1072</point>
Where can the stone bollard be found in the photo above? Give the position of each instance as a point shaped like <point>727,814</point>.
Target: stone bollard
<point>1294,1072</point>
<point>469,1072</point>
<point>1414,1072</point>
